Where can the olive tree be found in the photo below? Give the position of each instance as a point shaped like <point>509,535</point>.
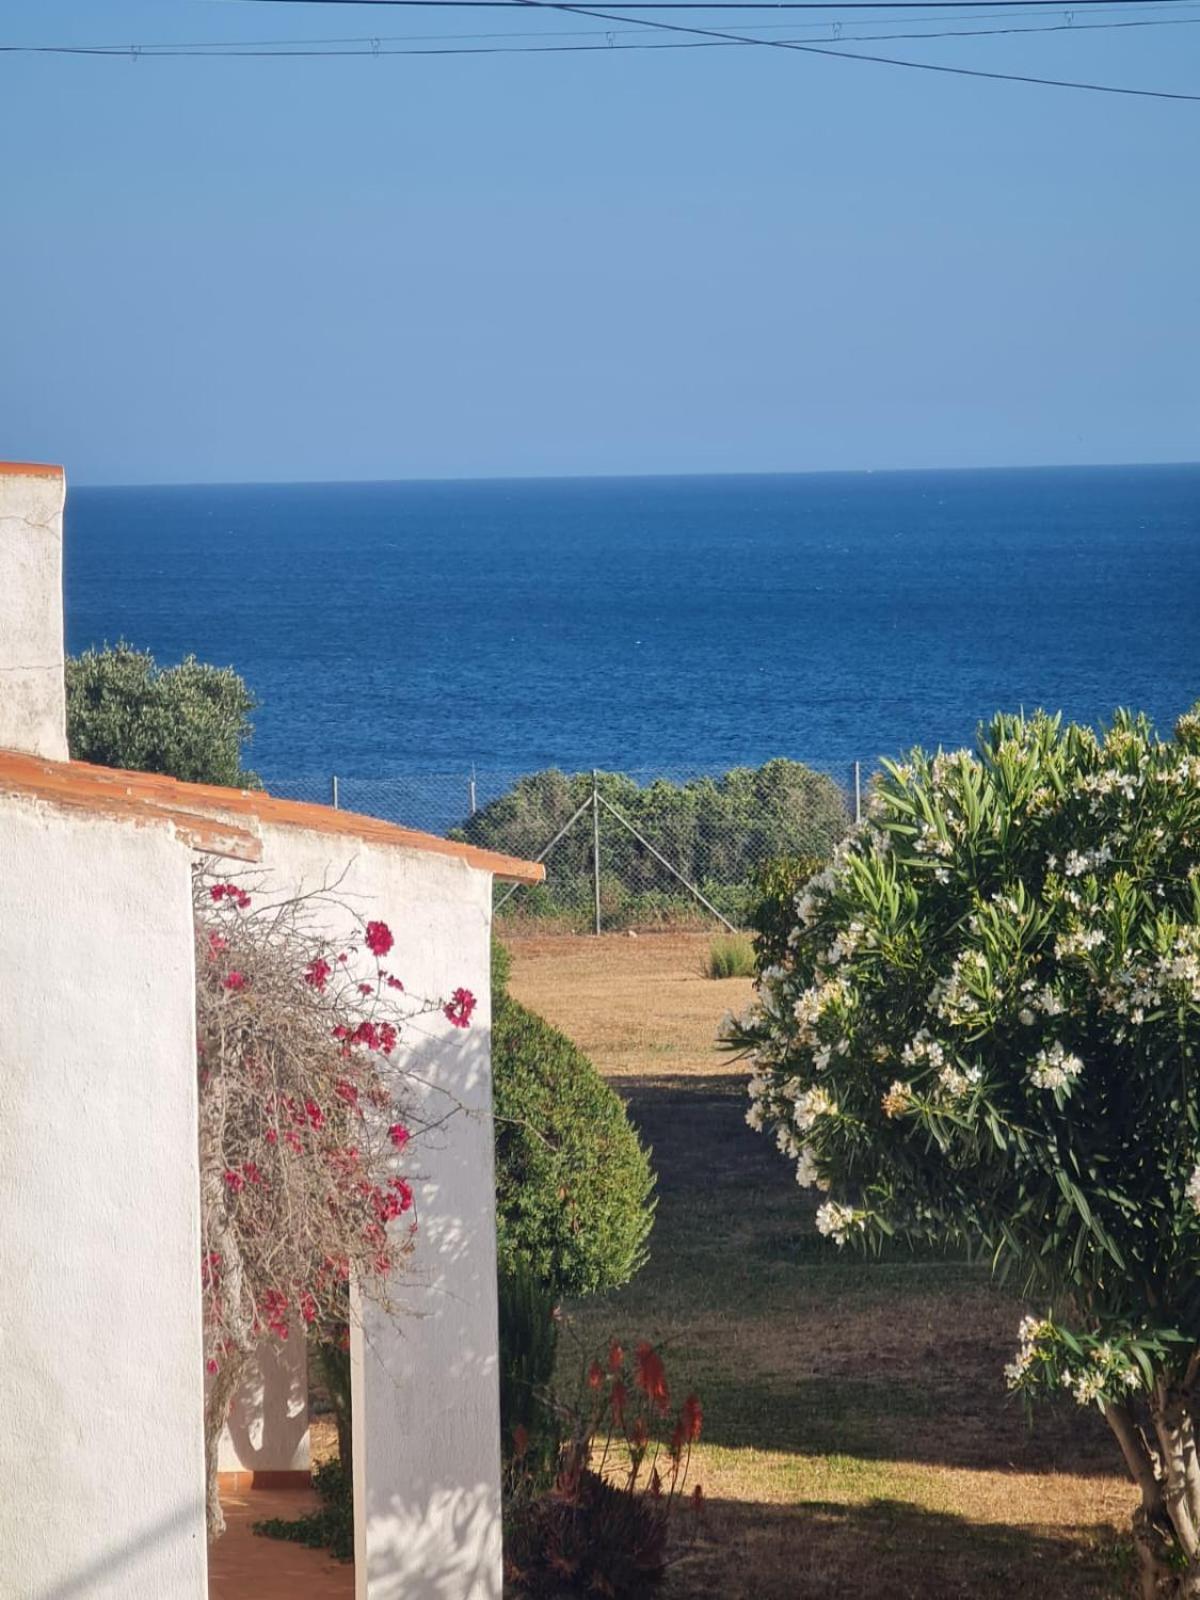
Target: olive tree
<point>190,721</point>
<point>984,1030</point>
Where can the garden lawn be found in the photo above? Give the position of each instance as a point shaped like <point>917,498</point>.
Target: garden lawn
<point>858,1436</point>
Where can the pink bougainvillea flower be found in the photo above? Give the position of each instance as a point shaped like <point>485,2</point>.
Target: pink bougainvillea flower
<point>403,1193</point>
<point>394,983</point>
<point>235,980</point>
<point>387,1038</point>
<point>230,891</point>
<point>379,938</point>
<point>211,1366</point>
<point>366,988</point>
<point>234,1182</point>
<point>459,1007</point>
<point>216,943</point>
<point>253,1174</point>
<point>317,972</point>
<point>347,1091</point>
<point>399,1135</point>
<point>308,1309</point>
<point>314,1113</point>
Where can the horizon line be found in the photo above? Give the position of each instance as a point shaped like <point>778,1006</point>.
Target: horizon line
<point>617,477</point>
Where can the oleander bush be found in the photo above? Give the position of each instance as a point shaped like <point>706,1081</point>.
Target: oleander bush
<point>983,1029</point>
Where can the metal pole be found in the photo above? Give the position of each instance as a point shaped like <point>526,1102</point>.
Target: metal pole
<point>596,843</point>
<point>857,792</point>
<point>333,792</point>
<point>658,856</point>
<point>474,807</point>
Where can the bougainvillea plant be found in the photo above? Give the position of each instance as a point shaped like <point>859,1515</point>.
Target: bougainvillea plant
<point>305,1128</point>
<point>985,1030</point>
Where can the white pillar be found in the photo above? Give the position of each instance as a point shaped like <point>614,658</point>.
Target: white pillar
<point>101,1361</point>
<point>32,694</point>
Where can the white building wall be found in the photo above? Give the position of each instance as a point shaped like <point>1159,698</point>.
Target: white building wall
<point>426,1400</point>
<point>267,1432</point>
<point>32,695</point>
<point>101,1365</point>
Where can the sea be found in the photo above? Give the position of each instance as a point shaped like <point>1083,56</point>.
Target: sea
<point>652,624</point>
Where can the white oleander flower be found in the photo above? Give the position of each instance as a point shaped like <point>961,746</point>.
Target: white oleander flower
<point>836,1221</point>
<point>1055,1068</point>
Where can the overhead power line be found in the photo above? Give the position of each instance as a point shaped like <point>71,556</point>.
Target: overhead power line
<point>858,55</point>
<point>791,44</point>
<point>729,5</point>
<point>457,44</point>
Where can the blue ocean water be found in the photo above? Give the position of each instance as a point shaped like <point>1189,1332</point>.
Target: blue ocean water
<point>398,627</point>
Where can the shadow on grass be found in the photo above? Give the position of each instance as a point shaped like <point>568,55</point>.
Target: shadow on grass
<point>886,1549</point>
<point>797,1346</point>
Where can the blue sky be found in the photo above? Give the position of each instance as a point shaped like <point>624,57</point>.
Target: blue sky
<point>677,261</point>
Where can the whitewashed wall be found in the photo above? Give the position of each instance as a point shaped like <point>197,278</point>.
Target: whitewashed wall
<point>426,1387</point>
<point>32,696</point>
<point>267,1433</point>
<point>101,1366</point>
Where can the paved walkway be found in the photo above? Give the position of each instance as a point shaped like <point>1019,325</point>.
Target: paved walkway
<point>241,1566</point>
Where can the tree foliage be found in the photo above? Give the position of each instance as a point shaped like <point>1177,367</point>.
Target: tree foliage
<point>984,1029</point>
<point>715,831</point>
<point>190,721</point>
<point>574,1185</point>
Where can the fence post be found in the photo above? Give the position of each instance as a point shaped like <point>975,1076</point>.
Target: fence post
<point>596,843</point>
<point>471,792</point>
<point>333,792</point>
<point>857,792</point>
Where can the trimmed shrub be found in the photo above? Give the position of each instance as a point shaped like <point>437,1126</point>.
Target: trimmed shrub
<point>574,1184</point>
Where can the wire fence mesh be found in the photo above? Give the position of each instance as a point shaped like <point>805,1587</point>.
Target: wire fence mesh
<point>644,847</point>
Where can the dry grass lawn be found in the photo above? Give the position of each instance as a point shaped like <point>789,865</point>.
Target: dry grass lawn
<point>858,1437</point>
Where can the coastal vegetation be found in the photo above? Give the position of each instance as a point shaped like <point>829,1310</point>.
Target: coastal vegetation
<point>190,721</point>
<point>714,832</point>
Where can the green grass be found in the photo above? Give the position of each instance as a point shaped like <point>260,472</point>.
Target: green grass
<point>731,956</point>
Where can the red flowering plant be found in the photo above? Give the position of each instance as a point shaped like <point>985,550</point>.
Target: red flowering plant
<point>305,1126</point>
<point>604,1527</point>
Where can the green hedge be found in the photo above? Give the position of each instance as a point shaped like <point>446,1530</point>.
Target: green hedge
<point>574,1185</point>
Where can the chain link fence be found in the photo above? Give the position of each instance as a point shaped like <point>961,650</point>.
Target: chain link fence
<point>670,846</point>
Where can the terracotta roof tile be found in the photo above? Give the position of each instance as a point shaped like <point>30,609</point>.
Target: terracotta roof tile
<point>207,811</point>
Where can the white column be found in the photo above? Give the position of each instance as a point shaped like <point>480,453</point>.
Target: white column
<point>32,694</point>
<point>101,1363</point>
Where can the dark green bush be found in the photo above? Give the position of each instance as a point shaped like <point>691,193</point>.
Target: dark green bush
<point>573,1182</point>
<point>190,721</point>
<point>776,884</point>
<point>528,1351</point>
<point>712,830</point>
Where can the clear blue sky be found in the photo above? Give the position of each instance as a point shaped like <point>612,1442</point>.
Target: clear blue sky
<point>680,261</point>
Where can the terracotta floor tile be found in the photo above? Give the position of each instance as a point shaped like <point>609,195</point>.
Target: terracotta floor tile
<point>242,1566</point>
